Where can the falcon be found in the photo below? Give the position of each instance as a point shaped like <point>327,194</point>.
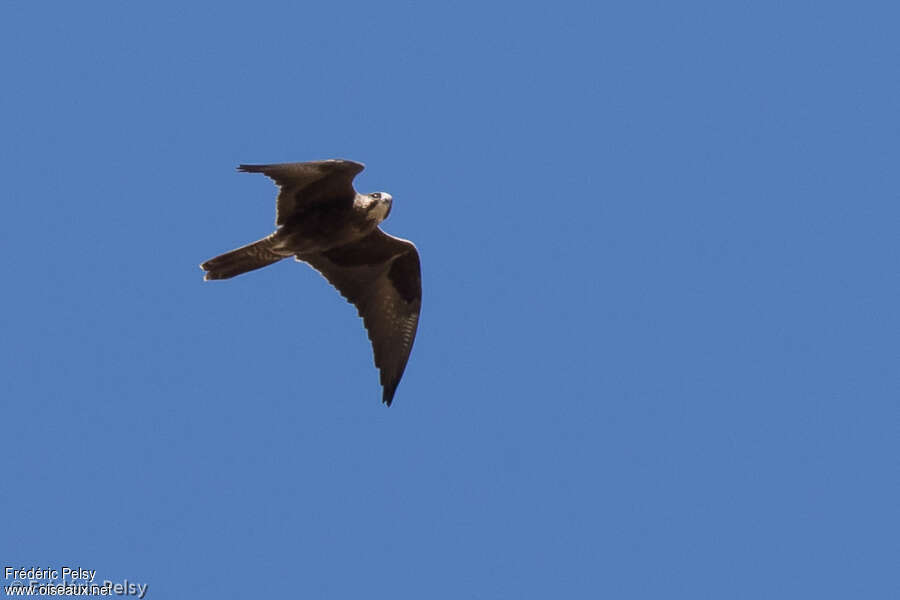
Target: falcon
<point>323,221</point>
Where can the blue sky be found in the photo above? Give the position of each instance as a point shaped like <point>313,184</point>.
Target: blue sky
<point>658,350</point>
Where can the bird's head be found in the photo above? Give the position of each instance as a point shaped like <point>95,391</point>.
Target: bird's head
<point>379,205</point>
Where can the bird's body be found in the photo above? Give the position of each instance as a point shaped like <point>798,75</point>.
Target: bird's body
<point>332,225</point>
<point>326,223</point>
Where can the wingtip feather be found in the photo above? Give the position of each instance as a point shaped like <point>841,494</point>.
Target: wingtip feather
<point>388,395</point>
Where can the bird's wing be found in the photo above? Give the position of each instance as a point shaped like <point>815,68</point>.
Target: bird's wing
<point>381,275</point>
<point>306,183</point>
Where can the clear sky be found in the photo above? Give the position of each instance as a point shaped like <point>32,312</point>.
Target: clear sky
<point>658,353</point>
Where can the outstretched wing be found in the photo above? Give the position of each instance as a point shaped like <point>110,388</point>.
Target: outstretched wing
<point>306,183</point>
<point>380,274</point>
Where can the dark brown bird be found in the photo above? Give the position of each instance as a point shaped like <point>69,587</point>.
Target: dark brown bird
<point>323,221</point>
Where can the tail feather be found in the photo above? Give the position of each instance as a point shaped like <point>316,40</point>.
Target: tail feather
<point>247,258</point>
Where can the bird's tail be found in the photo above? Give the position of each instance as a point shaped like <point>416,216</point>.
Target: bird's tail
<point>247,258</point>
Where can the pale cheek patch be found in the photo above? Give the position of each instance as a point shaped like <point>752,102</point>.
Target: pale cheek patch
<point>375,209</point>
<point>380,211</point>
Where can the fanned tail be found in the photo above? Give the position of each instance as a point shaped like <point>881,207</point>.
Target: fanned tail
<point>247,258</point>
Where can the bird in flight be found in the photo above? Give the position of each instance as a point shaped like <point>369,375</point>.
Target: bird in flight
<point>323,221</point>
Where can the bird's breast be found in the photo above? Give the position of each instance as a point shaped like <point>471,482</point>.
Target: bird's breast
<point>318,231</point>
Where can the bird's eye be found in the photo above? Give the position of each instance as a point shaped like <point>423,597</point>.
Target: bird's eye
<point>376,195</point>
